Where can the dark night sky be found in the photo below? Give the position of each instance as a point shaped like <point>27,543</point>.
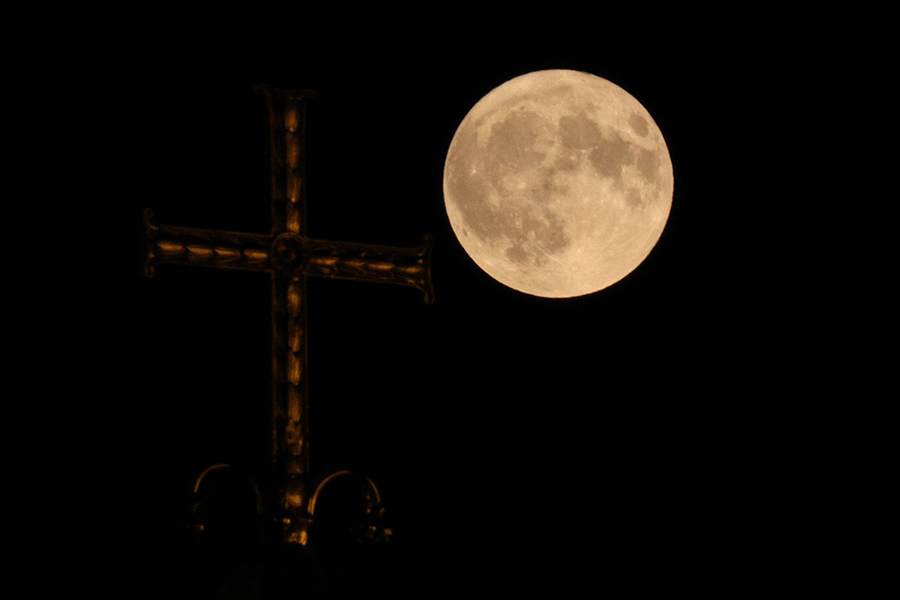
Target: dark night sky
<point>713,422</point>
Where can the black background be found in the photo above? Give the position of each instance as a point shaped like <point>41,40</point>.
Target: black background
<point>716,422</point>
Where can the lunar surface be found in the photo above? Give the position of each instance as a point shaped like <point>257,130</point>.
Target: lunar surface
<point>558,183</point>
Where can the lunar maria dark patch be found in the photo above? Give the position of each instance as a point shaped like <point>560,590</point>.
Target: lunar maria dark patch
<point>639,124</point>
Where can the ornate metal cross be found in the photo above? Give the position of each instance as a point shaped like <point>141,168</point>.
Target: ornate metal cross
<point>289,256</point>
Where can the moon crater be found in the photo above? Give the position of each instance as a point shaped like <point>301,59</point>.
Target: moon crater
<point>558,183</point>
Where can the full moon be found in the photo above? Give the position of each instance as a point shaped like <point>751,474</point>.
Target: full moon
<point>558,183</point>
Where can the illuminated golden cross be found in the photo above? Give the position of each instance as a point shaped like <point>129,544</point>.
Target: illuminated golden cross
<point>289,256</point>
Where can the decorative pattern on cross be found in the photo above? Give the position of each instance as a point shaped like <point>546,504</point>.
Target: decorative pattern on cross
<point>289,256</point>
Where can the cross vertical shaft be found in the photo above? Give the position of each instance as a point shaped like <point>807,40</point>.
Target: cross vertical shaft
<point>290,420</point>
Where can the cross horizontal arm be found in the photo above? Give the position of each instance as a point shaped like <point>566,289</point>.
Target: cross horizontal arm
<point>366,262</point>
<point>171,244</point>
<point>288,253</point>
